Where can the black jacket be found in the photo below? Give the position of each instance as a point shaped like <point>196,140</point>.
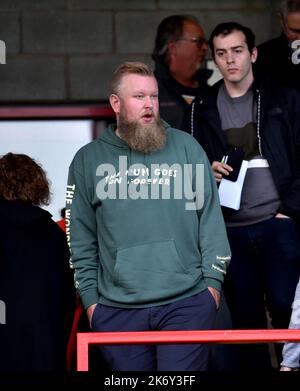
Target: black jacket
<point>279,132</point>
<point>36,287</point>
<point>274,59</point>
<point>172,106</point>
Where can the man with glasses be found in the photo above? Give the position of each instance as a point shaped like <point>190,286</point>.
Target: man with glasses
<point>179,54</point>
<point>280,57</point>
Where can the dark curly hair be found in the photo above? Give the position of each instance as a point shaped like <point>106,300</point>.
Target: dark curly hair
<point>21,178</point>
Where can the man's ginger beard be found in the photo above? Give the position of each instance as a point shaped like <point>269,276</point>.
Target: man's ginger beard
<point>142,138</point>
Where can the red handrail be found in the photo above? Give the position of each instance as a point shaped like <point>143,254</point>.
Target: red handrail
<point>64,111</point>
<point>178,337</point>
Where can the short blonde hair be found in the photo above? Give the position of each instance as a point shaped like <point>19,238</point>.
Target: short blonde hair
<point>128,68</point>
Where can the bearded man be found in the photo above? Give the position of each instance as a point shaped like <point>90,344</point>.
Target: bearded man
<point>144,261</point>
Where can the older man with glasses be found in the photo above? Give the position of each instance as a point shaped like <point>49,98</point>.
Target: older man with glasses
<point>179,54</point>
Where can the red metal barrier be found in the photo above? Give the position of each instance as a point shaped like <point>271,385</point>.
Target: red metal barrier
<point>178,337</point>
<point>100,111</point>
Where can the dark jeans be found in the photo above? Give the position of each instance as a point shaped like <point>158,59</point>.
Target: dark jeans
<point>263,273</point>
<point>193,313</point>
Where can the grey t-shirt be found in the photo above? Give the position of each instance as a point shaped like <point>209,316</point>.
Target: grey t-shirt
<point>259,199</point>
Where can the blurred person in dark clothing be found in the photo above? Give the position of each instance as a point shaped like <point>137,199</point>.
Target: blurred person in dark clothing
<point>280,57</point>
<point>179,54</point>
<point>35,281</point>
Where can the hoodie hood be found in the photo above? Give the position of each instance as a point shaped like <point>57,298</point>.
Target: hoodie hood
<point>110,137</point>
<point>21,213</point>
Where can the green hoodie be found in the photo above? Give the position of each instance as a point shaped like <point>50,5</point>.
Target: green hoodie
<point>137,236</point>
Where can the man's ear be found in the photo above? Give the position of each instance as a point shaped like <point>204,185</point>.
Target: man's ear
<point>254,55</point>
<point>114,101</point>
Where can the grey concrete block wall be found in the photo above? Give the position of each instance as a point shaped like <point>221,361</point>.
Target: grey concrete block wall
<point>205,4</point>
<point>9,5</point>
<point>10,31</point>
<point>254,19</point>
<point>67,32</point>
<point>113,4</point>
<point>135,33</point>
<point>90,77</point>
<point>66,50</point>
<point>32,79</point>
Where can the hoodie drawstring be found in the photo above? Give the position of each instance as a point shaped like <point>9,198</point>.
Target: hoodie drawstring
<point>192,119</point>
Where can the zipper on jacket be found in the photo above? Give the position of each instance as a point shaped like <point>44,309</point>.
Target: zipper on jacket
<point>192,119</point>
<point>192,116</point>
<point>258,119</point>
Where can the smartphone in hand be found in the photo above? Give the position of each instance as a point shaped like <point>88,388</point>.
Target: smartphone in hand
<point>234,160</point>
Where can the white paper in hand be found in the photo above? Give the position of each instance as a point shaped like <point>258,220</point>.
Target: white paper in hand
<point>230,192</point>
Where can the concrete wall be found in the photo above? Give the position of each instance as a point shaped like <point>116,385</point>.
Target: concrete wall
<point>66,50</point>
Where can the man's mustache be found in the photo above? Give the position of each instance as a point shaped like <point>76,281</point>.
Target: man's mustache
<point>148,112</point>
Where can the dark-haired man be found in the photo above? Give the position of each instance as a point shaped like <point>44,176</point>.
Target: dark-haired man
<point>263,121</point>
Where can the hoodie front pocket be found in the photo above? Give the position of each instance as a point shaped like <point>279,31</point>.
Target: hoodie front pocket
<point>151,271</point>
